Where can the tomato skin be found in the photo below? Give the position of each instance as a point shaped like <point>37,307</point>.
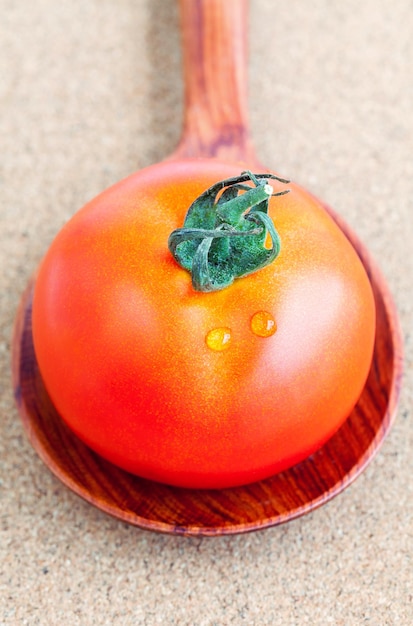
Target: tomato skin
<point>120,336</point>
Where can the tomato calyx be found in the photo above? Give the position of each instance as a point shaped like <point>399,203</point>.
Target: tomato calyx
<point>224,234</point>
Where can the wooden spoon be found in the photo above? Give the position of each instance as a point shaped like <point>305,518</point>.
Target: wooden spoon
<point>214,38</point>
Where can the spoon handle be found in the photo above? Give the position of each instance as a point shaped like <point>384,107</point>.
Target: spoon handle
<point>214,39</point>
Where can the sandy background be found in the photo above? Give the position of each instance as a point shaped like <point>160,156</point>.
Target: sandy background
<point>91,90</point>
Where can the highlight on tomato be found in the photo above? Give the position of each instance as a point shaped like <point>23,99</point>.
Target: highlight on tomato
<point>203,326</point>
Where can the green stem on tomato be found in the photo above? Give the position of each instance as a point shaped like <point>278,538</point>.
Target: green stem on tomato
<point>223,238</point>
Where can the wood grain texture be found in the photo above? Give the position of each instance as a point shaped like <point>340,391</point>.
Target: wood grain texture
<point>216,126</point>
<point>214,38</point>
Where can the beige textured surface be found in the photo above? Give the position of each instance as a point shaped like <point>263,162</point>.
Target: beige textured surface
<point>90,90</point>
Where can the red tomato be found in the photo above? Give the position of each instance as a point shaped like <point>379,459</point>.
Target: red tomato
<point>200,389</point>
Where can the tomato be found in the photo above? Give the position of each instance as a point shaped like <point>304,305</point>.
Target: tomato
<point>200,389</point>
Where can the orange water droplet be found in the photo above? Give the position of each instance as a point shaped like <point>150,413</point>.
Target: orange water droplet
<point>263,324</point>
<point>218,339</point>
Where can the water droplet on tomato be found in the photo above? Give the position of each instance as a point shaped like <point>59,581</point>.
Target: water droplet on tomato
<point>218,339</point>
<point>263,324</point>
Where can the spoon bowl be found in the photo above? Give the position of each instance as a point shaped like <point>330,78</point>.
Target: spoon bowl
<point>216,127</point>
